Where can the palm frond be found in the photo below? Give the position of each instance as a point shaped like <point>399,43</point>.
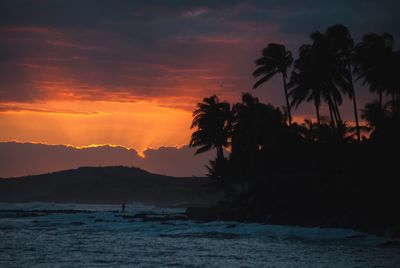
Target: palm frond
<point>264,79</point>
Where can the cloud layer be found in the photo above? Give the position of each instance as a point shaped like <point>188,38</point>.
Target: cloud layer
<point>21,159</point>
<point>127,50</point>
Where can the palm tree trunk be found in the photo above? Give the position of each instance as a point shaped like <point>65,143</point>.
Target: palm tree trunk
<point>318,116</point>
<point>334,118</point>
<point>287,99</point>
<point>353,94</point>
<point>337,112</point>
<point>318,119</point>
<point>220,152</point>
<point>330,112</point>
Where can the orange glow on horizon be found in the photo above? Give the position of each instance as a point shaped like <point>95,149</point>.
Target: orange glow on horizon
<point>139,125</point>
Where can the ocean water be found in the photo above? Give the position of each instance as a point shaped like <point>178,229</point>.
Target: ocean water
<point>101,236</point>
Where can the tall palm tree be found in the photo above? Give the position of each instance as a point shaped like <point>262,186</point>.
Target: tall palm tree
<point>342,45</point>
<point>331,72</point>
<point>247,132</point>
<point>394,81</point>
<point>211,120</point>
<point>275,59</point>
<point>303,85</point>
<point>254,124</point>
<point>308,82</point>
<point>372,57</point>
<point>319,75</point>
<point>256,128</point>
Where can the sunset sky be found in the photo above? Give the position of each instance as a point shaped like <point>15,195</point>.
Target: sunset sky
<point>130,73</point>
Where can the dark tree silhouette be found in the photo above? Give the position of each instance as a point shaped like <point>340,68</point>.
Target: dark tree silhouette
<point>385,123</point>
<point>374,114</point>
<point>211,120</point>
<point>255,125</point>
<point>320,74</point>
<point>331,72</point>
<point>309,131</point>
<point>275,59</point>
<point>303,85</point>
<point>294,174</point>
<point>372,59</point>
<point>393,87</point>
<point>342,45</point>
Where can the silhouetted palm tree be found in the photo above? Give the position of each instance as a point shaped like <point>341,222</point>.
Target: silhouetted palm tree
<point>211,119</point>
<point>275,59</point>
<point>254,124</point>
<point>372,58</point>
<point>308,82</point>
<point>385,124</point>
<point>320,74</point>
<point>309,131</point>
<point>256,128</point>
<point>374,114</point>
<point>393,80</point>
<point>325,133</point>
<point>343,46</point>
<point>331,71</point>
<point>303,85</point>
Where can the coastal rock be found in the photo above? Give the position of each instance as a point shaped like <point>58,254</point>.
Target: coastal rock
<point>390,244</point>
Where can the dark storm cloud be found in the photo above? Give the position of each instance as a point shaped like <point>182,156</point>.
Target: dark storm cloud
<point>159,48</point>
<point>292,15</point>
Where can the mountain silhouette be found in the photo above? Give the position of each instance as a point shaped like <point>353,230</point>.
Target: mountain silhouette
<point>114,184</point>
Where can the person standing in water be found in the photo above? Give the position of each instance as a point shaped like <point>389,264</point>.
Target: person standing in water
<point>123,207</point>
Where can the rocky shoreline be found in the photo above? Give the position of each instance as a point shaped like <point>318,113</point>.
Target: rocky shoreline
<point>224,211</point>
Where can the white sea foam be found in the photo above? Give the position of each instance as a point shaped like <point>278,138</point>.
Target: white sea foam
<point>100,235</point>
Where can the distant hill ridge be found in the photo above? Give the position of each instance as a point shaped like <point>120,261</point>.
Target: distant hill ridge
<point>113,184</point>
<point>22,159</point>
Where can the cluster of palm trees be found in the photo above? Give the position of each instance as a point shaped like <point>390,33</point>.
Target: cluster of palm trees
<point>324,73</point>
<point>324,70</point>
<point>244,126</point>
<point>248,128</point>
<point>317,172</point>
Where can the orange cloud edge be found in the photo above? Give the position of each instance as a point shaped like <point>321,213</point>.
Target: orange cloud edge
<point>140,154</point>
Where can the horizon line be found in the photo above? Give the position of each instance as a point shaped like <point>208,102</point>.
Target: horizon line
<point>81,147</point>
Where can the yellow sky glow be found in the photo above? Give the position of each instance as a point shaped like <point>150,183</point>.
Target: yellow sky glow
<point>139,125</point>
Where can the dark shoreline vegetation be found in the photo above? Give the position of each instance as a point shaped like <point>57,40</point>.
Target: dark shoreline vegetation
<point>325,172</point>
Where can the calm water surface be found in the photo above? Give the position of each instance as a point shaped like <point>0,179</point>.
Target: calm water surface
<point>101,236</point>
